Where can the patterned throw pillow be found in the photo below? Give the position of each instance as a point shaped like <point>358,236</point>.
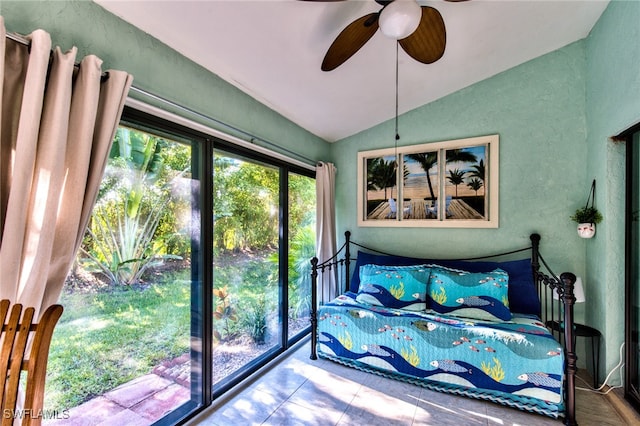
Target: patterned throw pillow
<point>481,295</point>
<point>400,287</point>
<point>523,295</point>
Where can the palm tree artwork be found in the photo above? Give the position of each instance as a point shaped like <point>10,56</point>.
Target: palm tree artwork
<point>475,184</point>
<point>478,172</point>
<point>428,160</point>
<point>381,175</point>
<point>459,173</point>
<point>456,177</point>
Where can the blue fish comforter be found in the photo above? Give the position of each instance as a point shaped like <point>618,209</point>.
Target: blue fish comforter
<point>516,363</point>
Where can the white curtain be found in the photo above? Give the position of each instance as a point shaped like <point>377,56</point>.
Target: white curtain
<point>57,124</point>
<point>326,227</point>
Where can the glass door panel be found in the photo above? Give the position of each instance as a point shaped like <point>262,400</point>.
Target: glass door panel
<point>125,337</point>
<point>246,310</point>
<point>302,247</point>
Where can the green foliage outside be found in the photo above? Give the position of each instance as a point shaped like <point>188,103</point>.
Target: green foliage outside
<point>302,248</point>
<point>244,295</point>
<point>245,203</point>
<point>225,314</point>
<point>134,225</point>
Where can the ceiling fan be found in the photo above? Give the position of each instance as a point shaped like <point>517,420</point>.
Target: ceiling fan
<point>420,31</point>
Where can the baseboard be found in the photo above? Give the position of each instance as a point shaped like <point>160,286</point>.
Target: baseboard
<point>622,407</point>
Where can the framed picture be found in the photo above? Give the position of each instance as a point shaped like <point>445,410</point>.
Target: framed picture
<point>448,184</point>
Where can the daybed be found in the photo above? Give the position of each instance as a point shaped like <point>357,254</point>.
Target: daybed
<point>470,327</point>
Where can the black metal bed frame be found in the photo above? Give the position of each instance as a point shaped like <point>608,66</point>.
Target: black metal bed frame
<point>557,315</point>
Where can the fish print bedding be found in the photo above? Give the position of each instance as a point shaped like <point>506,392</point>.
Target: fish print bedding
<point>515,362</point>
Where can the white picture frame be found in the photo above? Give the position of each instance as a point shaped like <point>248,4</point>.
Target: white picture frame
<point>447,184</point>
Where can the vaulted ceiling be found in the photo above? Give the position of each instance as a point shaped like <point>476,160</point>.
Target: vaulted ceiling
<point>273,49</point>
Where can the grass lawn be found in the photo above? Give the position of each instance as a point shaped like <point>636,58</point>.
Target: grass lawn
<point>107,338</point>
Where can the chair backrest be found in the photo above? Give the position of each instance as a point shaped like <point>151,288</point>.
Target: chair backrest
<point>25,347</point>
<point>392,205</point>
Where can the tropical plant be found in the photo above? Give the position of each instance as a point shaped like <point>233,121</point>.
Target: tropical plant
<point>123,247</point>
<point>587,214</point>
<point>475,184</point>
<point>225,315</point>
<point>456,177</point>
<point>122,239</point>
<point>254,317</point>
<point>257,297</point>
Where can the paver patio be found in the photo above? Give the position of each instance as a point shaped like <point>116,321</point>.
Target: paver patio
<point>139,402</point>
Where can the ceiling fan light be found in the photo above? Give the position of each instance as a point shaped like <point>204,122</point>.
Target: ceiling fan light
<point>400,19</point>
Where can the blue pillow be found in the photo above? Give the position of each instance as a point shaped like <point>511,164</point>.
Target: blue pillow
<point>399,287</point>
<point>365,258</point>
<point>477,295</point>
<point>523,297</point>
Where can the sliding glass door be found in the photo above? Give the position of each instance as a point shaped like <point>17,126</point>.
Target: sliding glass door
<point>193,274</point>
<point>263,240</point>
<point>632,382</point>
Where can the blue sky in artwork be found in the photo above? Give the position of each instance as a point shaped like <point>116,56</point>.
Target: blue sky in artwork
<point>416,170</point>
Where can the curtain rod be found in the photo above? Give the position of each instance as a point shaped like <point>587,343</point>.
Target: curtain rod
<point>23,40</point>
<point>18,38</point>
<point>252,138</point>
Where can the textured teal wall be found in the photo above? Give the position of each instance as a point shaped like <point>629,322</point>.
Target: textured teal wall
<point>538,111</point>
<point>613,105</point>
<point>156,68</point>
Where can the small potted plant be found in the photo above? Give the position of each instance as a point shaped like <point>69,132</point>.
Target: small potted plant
<point>587,217</point>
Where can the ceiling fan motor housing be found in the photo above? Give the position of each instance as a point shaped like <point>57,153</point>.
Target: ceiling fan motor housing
<point>400,19</point>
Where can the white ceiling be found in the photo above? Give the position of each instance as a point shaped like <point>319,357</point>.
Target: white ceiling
<point>272,50</point>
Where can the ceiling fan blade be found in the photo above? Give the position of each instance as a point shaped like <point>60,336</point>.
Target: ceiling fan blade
<point>350,40</point>
<point>428,41</point>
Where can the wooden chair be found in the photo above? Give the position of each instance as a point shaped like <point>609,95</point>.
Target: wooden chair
<point>17,330</point>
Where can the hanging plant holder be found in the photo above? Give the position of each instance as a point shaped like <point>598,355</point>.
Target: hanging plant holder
<point>586,230</point>
<point>588,216</point>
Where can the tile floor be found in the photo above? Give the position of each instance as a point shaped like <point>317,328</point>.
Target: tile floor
<point>298,391</point>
